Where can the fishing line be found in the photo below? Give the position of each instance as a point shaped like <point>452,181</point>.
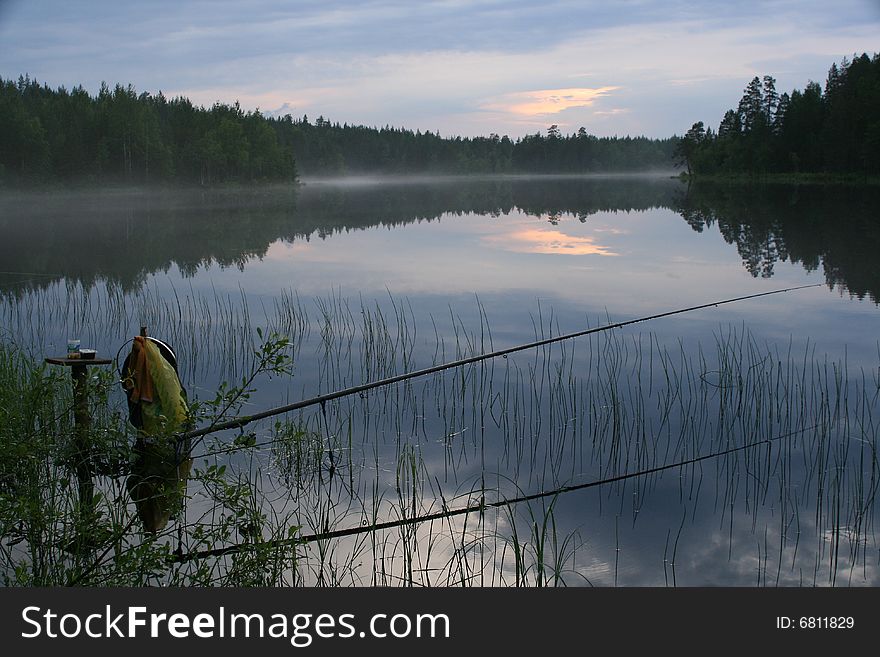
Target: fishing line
<point>242,421</point>
<point>477,508</point>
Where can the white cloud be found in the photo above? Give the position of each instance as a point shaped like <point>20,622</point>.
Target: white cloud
<point>453,67</point>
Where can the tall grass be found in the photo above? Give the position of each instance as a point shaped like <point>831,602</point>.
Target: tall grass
<point>798,510</point>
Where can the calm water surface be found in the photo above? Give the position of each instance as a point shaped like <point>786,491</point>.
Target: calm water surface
<point>373,277</point>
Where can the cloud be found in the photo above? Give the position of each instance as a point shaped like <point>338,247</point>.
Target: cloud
<point>548,101</point>
<point>462,68</point>
<point>612,112</point>
<point>548,242</point>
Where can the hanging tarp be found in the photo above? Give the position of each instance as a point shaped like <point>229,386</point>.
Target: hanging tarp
<point>158,410</point>
<point>157,402</point>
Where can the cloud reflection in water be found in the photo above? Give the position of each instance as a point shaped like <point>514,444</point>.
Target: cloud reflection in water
<point>552,242</point>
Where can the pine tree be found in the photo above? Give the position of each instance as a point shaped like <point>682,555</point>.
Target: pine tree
<point>771,99</point>
<point>751,106</point>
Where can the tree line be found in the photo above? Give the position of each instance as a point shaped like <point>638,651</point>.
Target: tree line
<point>119,134</point>
<point>832,130</point>
<point>122,135</point>
<point>325,148</point>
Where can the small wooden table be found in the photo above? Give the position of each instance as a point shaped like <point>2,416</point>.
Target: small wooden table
<point>81,417</point>
<point>65,360</point>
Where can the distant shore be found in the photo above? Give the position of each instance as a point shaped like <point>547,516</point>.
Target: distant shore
<point>785,178</point>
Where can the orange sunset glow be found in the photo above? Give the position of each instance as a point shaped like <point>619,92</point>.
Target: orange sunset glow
<point>549,101</point>
<point>551,242</point>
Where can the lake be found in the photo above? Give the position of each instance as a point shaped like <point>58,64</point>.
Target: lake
<point>730,445</point>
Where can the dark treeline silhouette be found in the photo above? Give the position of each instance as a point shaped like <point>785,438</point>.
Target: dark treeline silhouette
<point>325,148</point>
<point>121,135</point>
<point>832,130</point>
<point>828,226</point>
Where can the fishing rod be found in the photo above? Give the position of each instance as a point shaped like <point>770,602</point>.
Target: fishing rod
<point>244,420</point>
<point>471,508</point>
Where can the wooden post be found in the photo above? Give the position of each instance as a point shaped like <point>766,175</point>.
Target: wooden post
<point>82,420</point>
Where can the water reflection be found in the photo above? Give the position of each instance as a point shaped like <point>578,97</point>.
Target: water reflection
<point>834,227</point>
<point>576,412</point>
<point>123,237</point>
<point>549,242</point>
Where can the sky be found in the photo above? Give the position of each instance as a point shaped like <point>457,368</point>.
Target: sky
<point>457,67</point>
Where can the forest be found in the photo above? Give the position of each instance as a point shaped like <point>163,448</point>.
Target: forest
<point>125,136</point>
<point>326,149</point>
<point>122,135</point>
<point>830,130</point>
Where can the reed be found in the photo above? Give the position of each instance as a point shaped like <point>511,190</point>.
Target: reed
<point>797,510</point>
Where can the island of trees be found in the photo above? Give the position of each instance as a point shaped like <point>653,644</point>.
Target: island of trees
<point>60,134</point>
<point>835,130</point>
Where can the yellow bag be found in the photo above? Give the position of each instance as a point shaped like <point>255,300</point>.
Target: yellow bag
<point>167,412</point>
<point>157,401</point>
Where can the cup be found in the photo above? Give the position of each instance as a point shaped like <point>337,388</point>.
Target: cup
<point>72,346</point>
